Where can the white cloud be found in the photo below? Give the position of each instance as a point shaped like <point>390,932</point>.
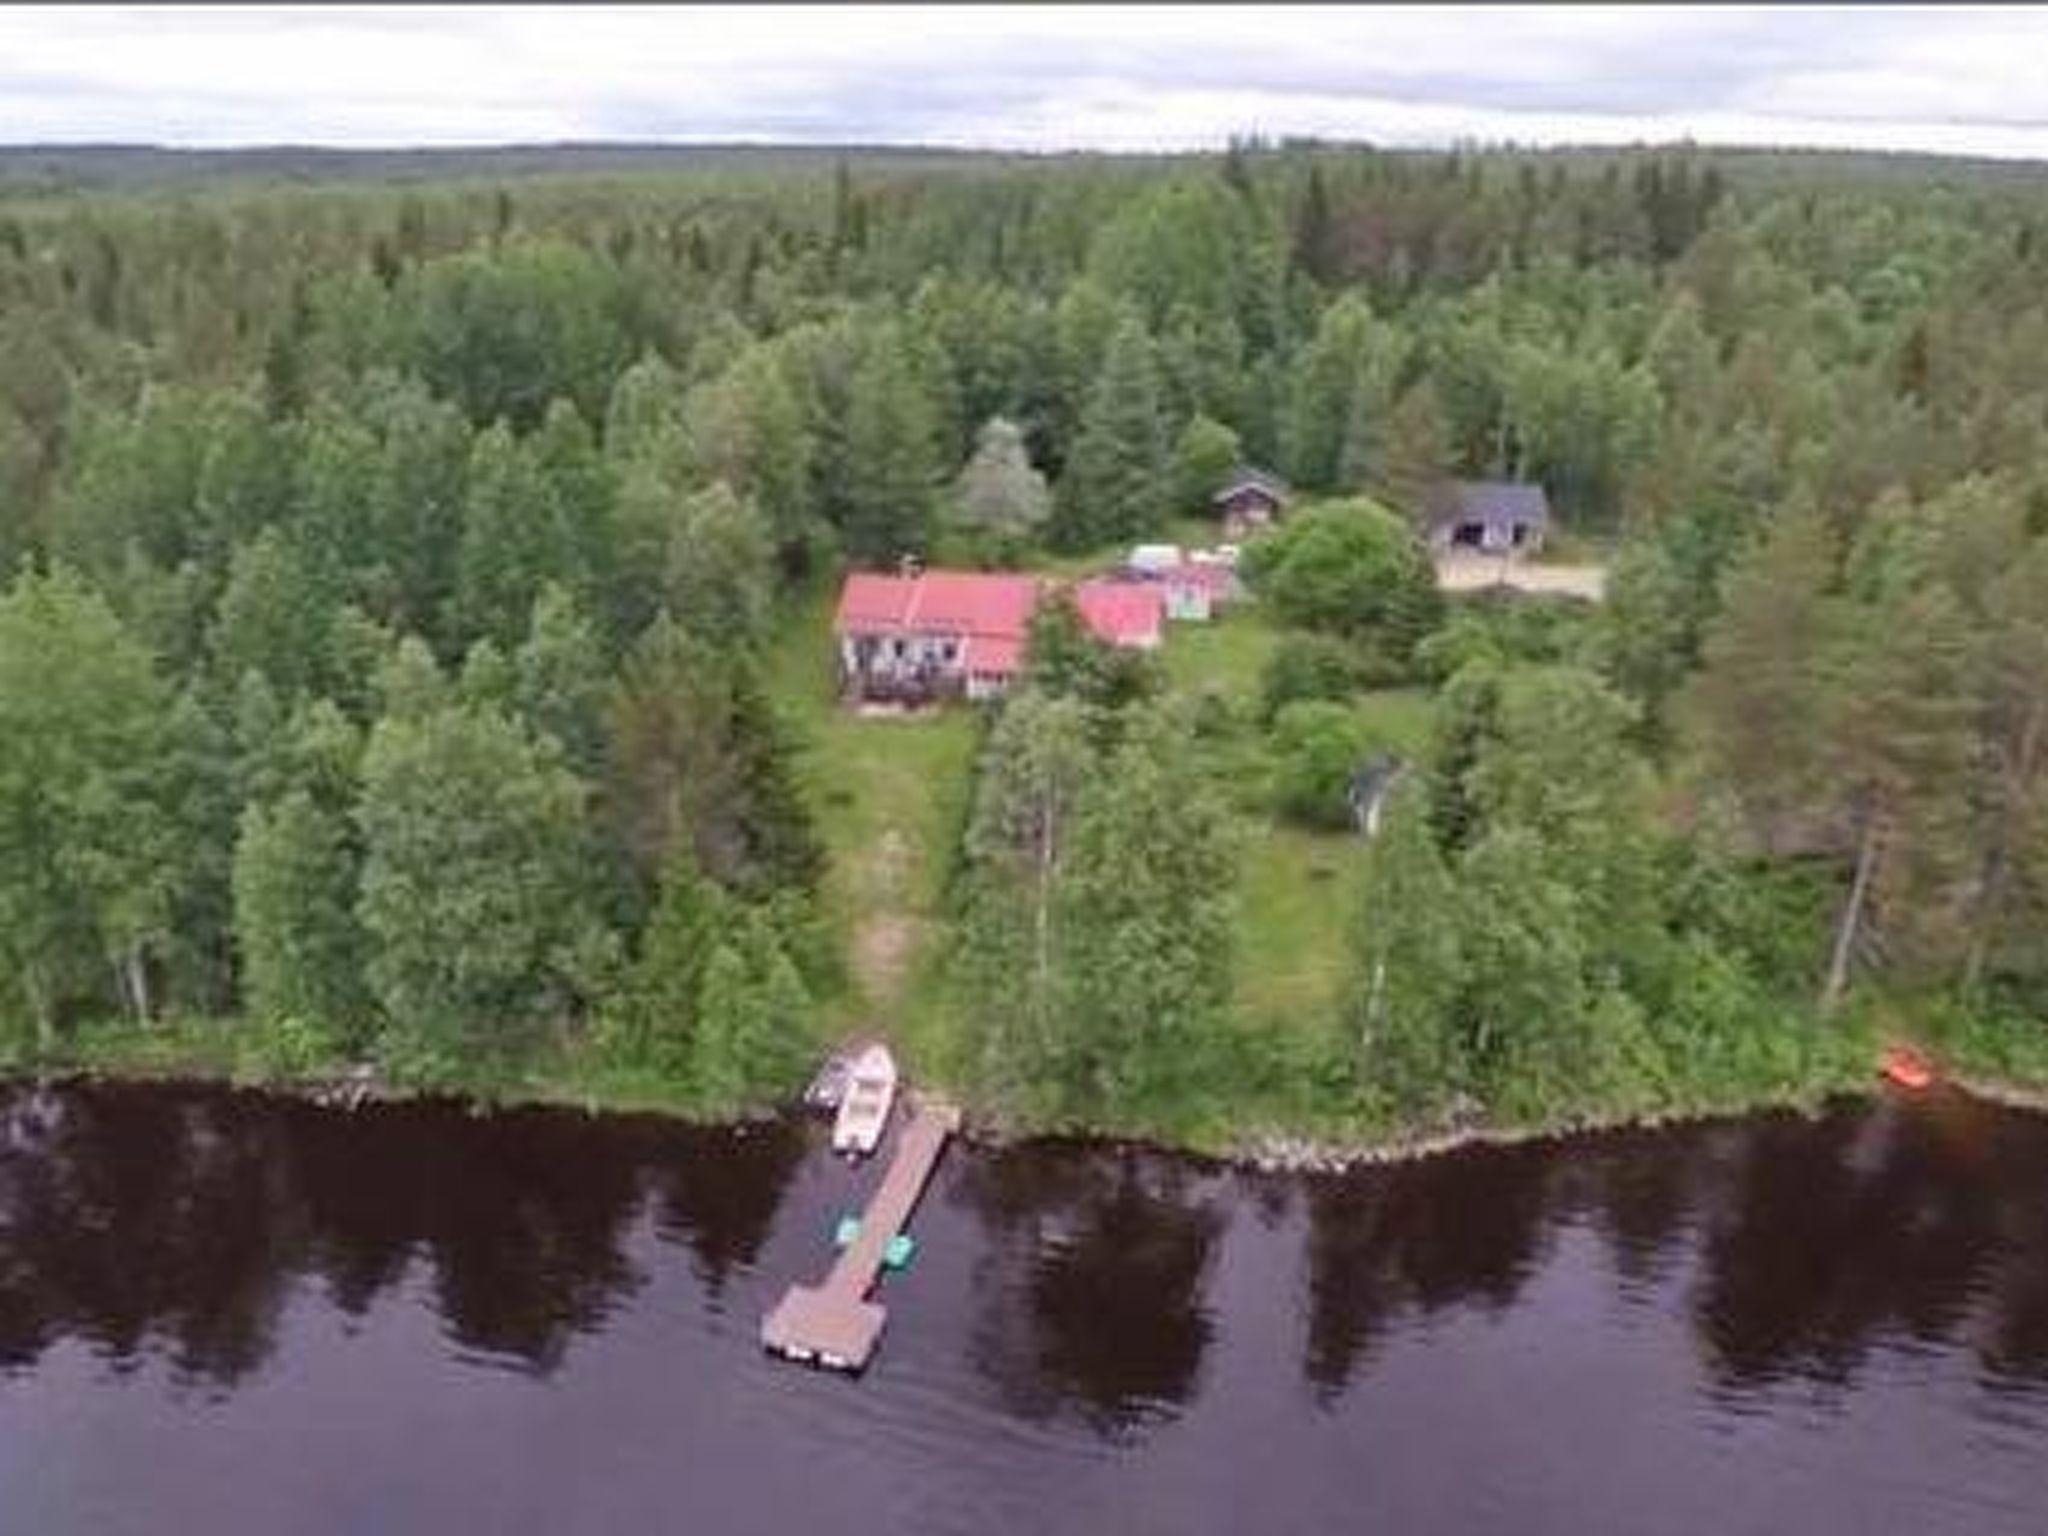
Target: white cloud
<point>1112,76</point>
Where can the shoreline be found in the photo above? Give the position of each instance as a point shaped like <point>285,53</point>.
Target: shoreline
<point>1267,1152</point>
<point>1279,1152</point>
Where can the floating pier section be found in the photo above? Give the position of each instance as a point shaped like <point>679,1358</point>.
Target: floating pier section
<point>833,1323</point>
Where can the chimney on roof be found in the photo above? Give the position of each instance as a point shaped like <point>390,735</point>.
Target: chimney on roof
<point>910,565</point>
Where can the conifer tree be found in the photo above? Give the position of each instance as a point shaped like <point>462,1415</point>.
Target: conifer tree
<point>1203,460</point>
<point>1117,486</point>
<point>1342,396</point>
<point>1897,753</point>
<point>659,1009</point>
<point>1753,705</point>
<point>891,456</point>
<point>754,1025</point>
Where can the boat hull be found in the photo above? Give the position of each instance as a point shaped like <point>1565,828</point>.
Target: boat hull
<point>864,1110</point>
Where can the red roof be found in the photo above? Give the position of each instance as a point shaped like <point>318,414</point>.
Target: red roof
<point>973,603</point>
<point>1122,612</point>
<point>991,612</point>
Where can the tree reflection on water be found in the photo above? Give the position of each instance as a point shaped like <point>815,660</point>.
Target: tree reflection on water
<point>177,1224</point>
<point>152,1220</point>
<point>1424,1236</point>
<point>1090,1281</point>
<point>1808,1240</point>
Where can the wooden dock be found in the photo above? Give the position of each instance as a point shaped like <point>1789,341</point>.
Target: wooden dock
<point>834,1323</point>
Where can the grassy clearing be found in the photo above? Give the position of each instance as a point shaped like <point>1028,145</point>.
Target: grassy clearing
<point>1298,889</point>
<point>1227,655</point>
<point>1296,896</point>
<point>889,794</point>
<point>1396,719</point>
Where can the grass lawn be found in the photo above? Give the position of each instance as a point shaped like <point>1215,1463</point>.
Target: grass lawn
<point>1228,654</point>
<point>889,795</point>
<point>1296,896</point>
<point>1396,718</point>
<point>1298,889</point>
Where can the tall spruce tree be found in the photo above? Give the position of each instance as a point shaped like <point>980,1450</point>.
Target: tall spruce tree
<point>892,468</point>
<point>1117,483</point>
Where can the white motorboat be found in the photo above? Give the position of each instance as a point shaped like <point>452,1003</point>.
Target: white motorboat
<point>864,1108</point>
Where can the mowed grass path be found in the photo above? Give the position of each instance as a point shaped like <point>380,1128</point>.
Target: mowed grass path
<point>889,795</point>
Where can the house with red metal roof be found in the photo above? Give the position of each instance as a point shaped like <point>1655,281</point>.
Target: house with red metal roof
<point>936,634</point>
<point>1131,614</point>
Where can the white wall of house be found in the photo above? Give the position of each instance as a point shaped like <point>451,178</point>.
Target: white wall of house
<point>1188,601</point>
<point>891,656</point>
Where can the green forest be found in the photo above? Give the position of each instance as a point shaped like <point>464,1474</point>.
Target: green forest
<point>414,643</point>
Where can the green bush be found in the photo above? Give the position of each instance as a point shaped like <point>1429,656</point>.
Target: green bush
<point>1316,748</point>
<point>1304,668</point>
<point>1349,568</point>
<point>1505,627</point>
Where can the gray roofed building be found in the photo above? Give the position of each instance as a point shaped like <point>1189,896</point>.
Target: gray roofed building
<point>1249,477</point>
<point>1492,515</point>
<point>1250,499</point>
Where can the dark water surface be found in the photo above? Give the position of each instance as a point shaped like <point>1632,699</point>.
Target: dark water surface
<point>227,1313</point>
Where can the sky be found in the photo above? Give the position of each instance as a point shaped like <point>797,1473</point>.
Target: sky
<point>1950,79</point>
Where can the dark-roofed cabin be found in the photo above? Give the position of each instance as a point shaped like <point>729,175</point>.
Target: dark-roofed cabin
<point>1250,500</point>
<point>1492,516</point>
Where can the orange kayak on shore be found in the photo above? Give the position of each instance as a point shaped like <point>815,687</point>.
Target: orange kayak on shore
<point>1907,1067</point>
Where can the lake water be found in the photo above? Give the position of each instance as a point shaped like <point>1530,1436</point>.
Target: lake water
<point>230,1313</point>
